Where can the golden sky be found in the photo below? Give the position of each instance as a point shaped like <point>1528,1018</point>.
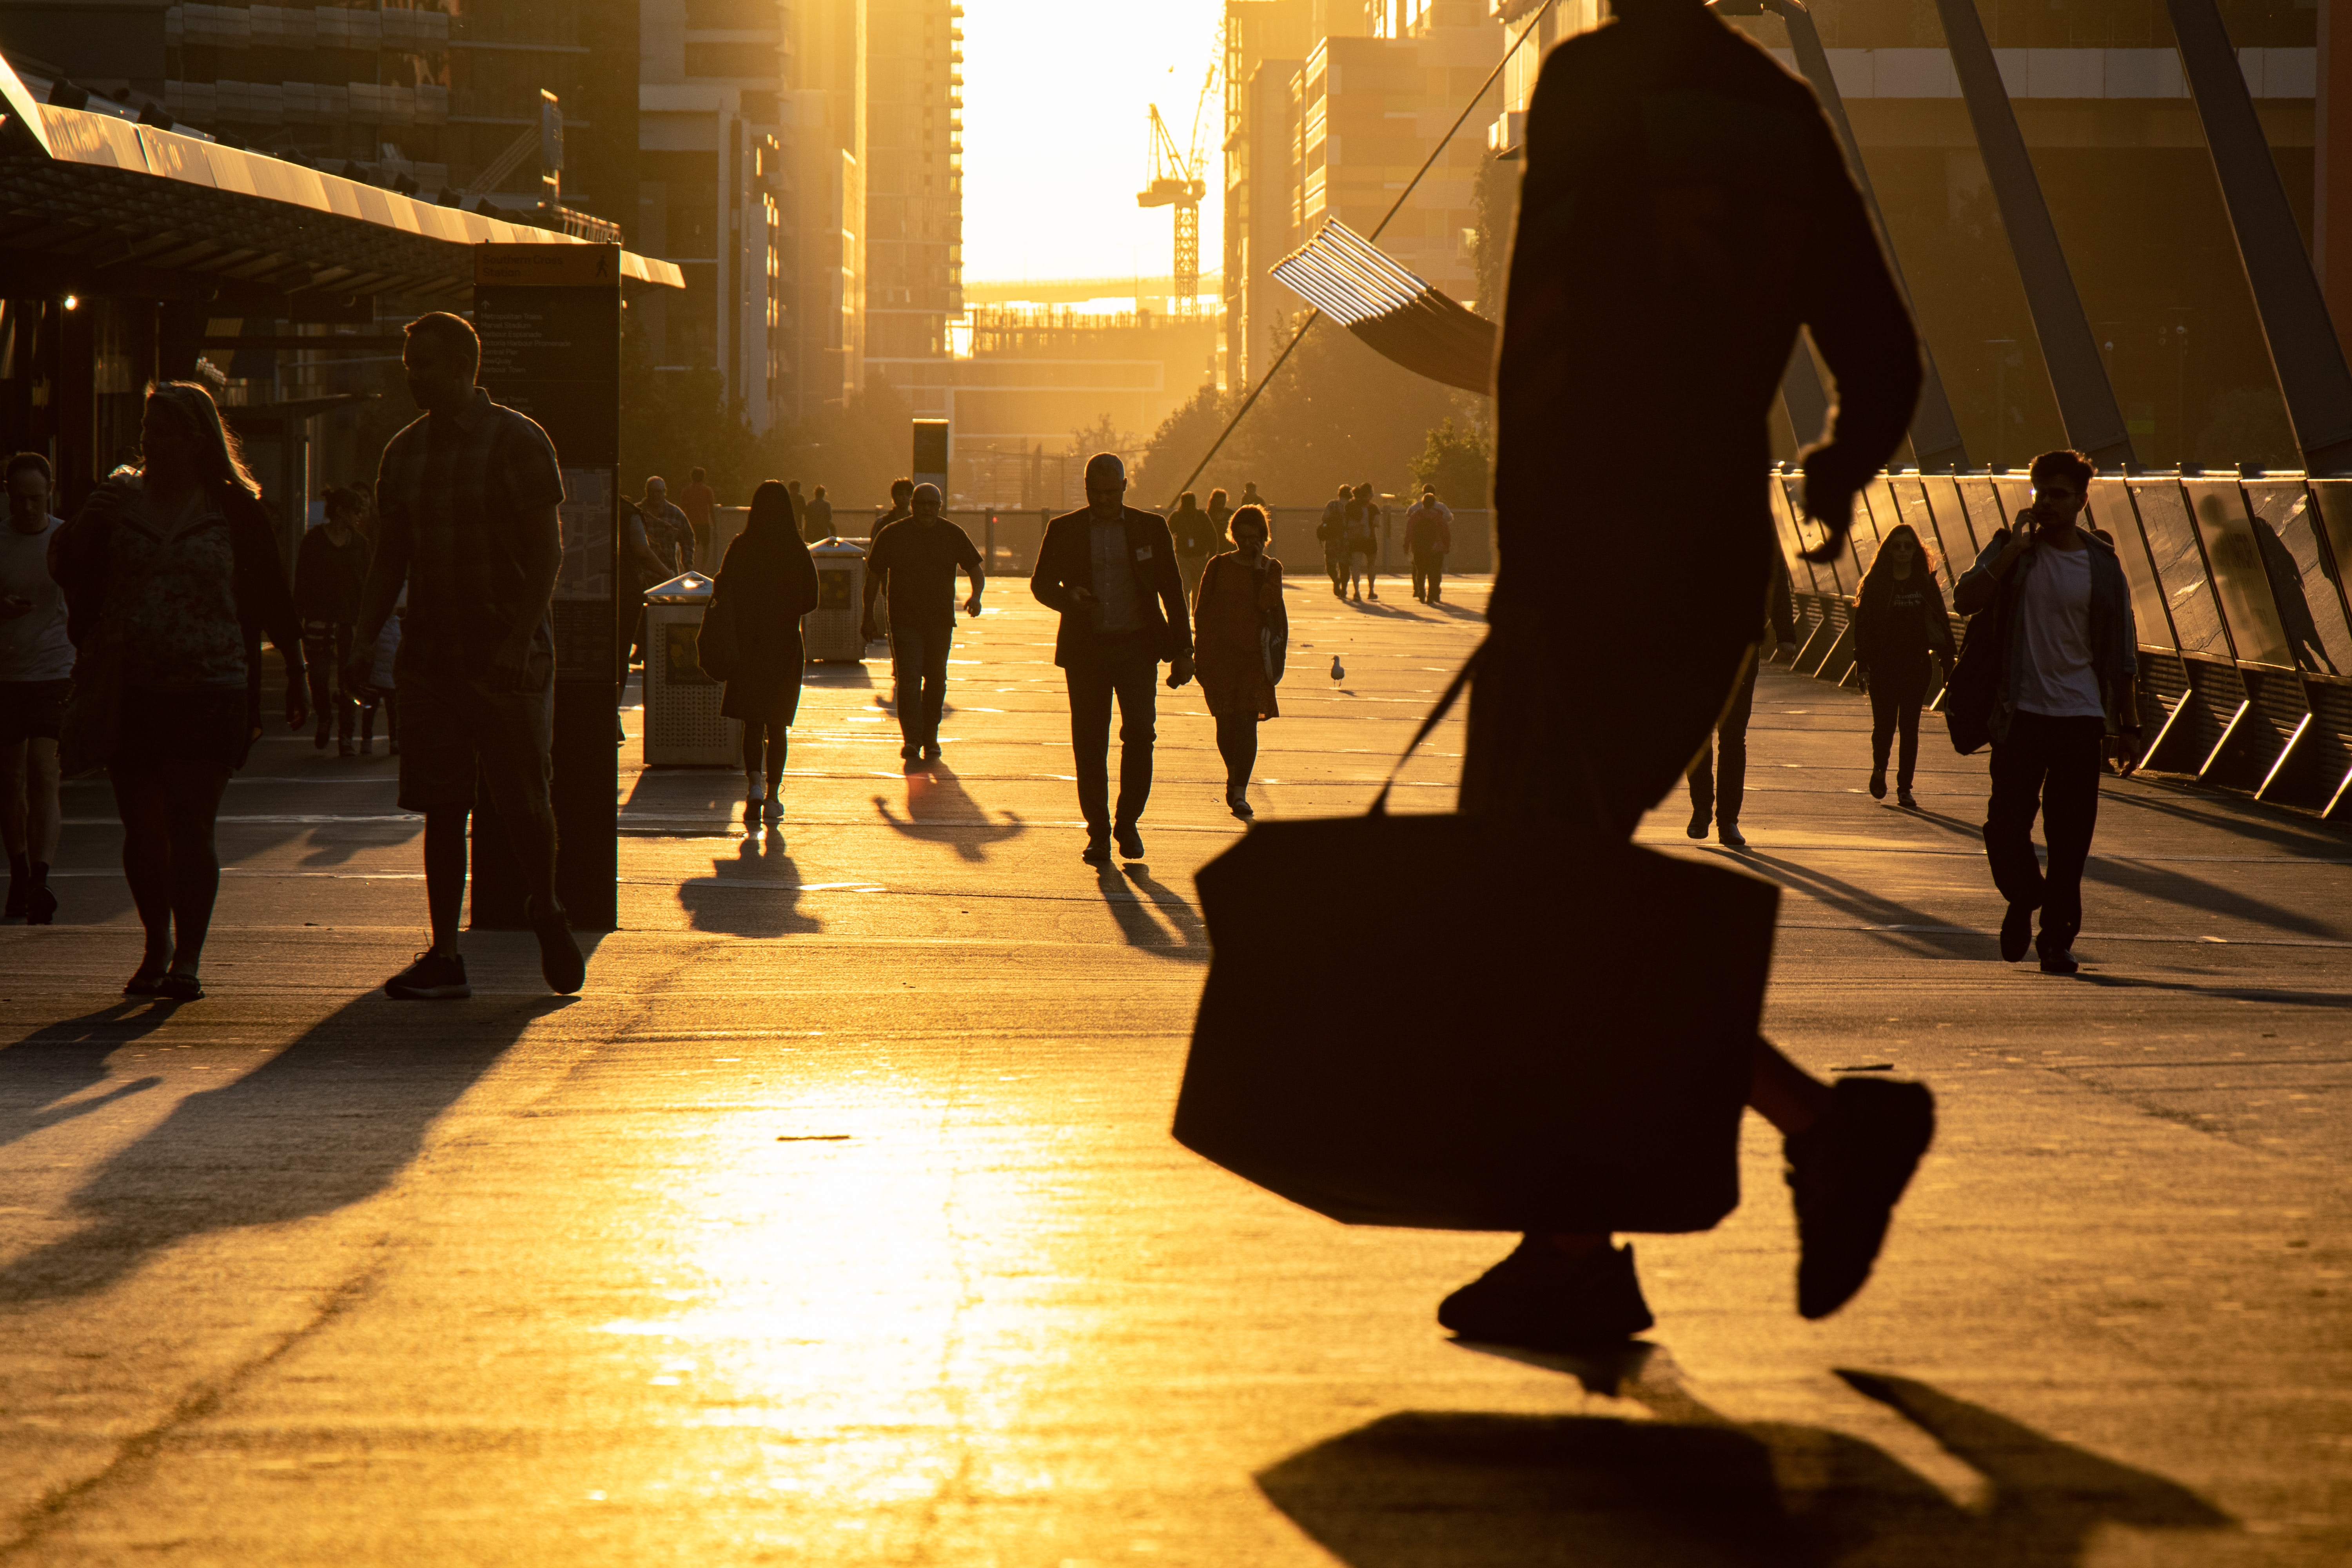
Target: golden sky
<point>1055,133</point>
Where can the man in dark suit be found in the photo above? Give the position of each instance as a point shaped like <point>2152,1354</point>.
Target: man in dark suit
<point>1111,570</point>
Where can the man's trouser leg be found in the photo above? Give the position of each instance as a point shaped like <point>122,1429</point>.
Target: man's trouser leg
<point>1090,687</point>
<point>1731,747</point>
<point>1701,779</point>
<point>936,641</point>
<point>2070,811</point>
<point>2020,760</point>
<point>919,662</point>
<point>1137,682</point>
<point>1192,566</point>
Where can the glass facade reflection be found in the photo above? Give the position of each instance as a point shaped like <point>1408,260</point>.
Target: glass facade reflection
<point>2179,566</point>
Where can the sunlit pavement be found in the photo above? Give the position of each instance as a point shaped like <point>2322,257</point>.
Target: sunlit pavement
<point>837,1222</point>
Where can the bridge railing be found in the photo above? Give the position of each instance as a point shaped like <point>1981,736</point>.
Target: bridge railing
<point>2237,590</point>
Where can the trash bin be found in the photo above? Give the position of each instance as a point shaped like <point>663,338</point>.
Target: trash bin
<point>683,725</point>
<point>831,630</point>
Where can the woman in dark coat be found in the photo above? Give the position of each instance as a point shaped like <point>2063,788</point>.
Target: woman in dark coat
<point>766,584</point>
<point>1899,623</point>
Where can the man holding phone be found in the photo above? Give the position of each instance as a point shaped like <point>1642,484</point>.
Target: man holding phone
<point>2067,684</point>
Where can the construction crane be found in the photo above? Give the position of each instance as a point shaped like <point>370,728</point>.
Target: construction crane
<point>1173,179</point>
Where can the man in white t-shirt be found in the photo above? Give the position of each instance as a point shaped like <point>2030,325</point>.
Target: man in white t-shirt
<point>36,662</point>
<point>2066,685</point>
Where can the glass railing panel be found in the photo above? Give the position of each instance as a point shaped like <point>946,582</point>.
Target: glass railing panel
<point>2334,499</point>
<point>1785,532</point>
<point>2015,492</point>
<point>1911,505</point>
<point>1983,502</point>
<point>1869,527</point>
<point>2240,583</point>
<point>2179,566</point>
<point>2310,609</point>
<point>2111,508</point>
<point>1961,538</point>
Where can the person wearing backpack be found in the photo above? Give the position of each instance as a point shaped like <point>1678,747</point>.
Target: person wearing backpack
<point>1333,533</point>
<point>2064,684</point>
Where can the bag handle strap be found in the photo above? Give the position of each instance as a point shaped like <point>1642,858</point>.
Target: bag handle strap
<point>1436,715</point>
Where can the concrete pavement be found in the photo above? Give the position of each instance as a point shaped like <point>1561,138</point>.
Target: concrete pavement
<point>837,1221</point>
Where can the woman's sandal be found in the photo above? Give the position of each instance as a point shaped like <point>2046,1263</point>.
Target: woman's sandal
<point>177,987</point>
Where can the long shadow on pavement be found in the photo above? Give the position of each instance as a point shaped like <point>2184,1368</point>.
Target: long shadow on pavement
<point>42,1071</point>
<point>2196,893</point>
<point>939,810</point>
<point>1427,1490</point>
<point>332,1118</point>
<point>1190,942</point>
<point>2312,839</point>
<point>1866,906</point>
<point>756,892</point>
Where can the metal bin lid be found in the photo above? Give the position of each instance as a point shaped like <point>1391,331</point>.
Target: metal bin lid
<point>685,588</point>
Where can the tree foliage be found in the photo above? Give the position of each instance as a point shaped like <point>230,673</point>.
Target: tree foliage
<point>1458,461</point>
<point>1168,457</point>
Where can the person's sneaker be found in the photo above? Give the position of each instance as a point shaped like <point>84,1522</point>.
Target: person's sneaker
<point>559,963</point>
<point>930,751</point>
<point>1729,833</point>
<point>1131,842</point>
<point>2058,961</point>
<point>1096,852</point>
<point>909,753</point>
<point>432,978</point>
<point>1237,802</point>
<point>751,811</point>
<point>1700,818</point>
<point>2016,932</point>
<point>1905,798</point>
<point>771,810</point>
<point>1371,592</point>
<point>1878,784</point>
<point>1540,1298</point>
<point>1846,1175</point>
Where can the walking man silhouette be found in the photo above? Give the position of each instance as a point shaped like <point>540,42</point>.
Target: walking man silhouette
<point>1685,206</point>
<point>1111,570</point>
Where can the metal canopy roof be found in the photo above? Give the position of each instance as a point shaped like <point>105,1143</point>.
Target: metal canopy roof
<point>114,195</point>
<point>1349,279</point>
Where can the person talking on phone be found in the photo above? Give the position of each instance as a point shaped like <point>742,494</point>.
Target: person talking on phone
<point>919,556</point>
<point>1111,570</point>
<point>2067,686</point>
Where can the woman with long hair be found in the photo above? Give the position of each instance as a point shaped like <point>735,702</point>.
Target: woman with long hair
<point>172,572</point>
<point>1240,596</point>
<point>767,583</point>
<point>1899,622</point>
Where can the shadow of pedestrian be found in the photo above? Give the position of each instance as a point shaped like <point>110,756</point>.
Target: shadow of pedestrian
<point>1426,1489</point>
<point>1188,941</point>
<point>939,810</point>
<point>755,893</point>
<point>332,1118</point>
<point>2208,898</point>
<point>40,1072</point>
<point>1867,906</point>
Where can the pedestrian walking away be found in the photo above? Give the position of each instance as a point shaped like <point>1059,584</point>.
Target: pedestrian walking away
<point>1428,539</point>
<point>701,504</point>
<point>1333,533</point>
<point>1110,570</point>
<point>1239,602</point>
<point>917,558</point>
<point>36,658</point>
<point>1221,520</point>
<point>765,586</point>
<point>1698,316</point>
<point>1899,625</point>
<point>2066,688</point>
<point>164,568</point>
<point>329,571</point>
<point>1197,536</point>
<point>1363,545</point>
<point>1717,778</point>
<point>466,502</point>
<point>818,524</point>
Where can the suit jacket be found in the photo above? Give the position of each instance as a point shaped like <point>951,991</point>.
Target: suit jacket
<point>1065,560</point>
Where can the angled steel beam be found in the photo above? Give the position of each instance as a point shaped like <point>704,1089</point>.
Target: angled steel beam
<point>2304,350</point>
<point>1935,433</point>
<point>1801,397</point>
<point>2078,377</point>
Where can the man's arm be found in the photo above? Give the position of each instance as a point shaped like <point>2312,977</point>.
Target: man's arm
<point>541,555</point>
<point>1978,585</point>
<point>387,569</point>
<point>684,530</point>
<point>1046,582</point>
<point>974,569</point>
<point>878,567</point>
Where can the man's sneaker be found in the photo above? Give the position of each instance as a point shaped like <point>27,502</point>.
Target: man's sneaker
<point>1096,852</point>
<point>2016,932</point>
<point>1700,818</point>
<point>1905,798</point>
<point>2058,961</point>
<point>1728,834</point>
<point>1846,1175</point>
<point>930,751</point>
<point>559,963</point>
<point>432,978</point>
<point>1131,842</point>
<point>1540,1298</point>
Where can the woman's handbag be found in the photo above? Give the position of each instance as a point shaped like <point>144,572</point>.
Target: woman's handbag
<point>1273,639</point>
<point>716,648</point>
<point>1557,1066</point>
